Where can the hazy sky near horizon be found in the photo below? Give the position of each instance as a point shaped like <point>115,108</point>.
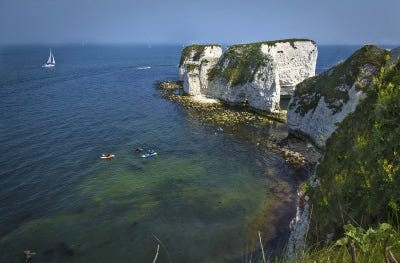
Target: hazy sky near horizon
<point>200,21</point>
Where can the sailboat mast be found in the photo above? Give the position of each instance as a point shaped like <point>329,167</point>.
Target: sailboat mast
<point>49,60</point>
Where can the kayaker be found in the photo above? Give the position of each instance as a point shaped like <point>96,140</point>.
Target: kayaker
<point>138,150</point>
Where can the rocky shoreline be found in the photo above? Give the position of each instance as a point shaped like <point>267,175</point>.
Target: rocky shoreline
<point>296,152</point>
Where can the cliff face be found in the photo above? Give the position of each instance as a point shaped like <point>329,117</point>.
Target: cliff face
<point>196,60</point>
<point>295,61</point>
<point>248,76</point>
<point>257,74</point>
<point>321,102</point>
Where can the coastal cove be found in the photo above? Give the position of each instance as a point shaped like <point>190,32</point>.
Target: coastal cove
<point>205,196</point>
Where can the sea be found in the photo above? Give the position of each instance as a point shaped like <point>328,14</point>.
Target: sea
<point>208,196</point>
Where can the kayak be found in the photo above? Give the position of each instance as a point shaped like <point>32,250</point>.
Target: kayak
<point>107,156</point>
<point>148,155</point>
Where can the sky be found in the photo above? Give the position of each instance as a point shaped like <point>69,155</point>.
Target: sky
<point>201,21</point>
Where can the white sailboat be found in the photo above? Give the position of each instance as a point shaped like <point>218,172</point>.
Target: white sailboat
<point>51,62</point>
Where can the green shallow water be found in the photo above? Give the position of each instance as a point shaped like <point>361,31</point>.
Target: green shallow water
<point>201,209</point>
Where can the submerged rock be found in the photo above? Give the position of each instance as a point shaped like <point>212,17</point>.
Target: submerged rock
<point>169,85</point>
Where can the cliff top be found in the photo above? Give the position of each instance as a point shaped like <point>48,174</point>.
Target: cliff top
<point>238,65</point>
<point>273,42</point>
<point>334,83</point>
<point>198,49</point>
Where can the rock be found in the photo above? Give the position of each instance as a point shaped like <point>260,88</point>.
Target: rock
<point>320,103</point>
<point>295,61</point>
<point>169,85</point>
<point>256,74</point>
<point>195,62</point>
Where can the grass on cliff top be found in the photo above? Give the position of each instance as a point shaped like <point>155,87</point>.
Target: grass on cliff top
<point>243,63</point>
<point>330,84</point>
<point>273,42</point>
<point>198,50</point>
<point>359,177</point>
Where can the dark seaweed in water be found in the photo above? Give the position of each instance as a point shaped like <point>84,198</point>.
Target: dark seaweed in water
<point>64,250</point>
<point>60,251</point>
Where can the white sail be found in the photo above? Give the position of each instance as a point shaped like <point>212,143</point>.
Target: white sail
<point>49,60</point>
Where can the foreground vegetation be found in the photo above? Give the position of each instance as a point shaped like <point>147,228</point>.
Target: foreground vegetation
<point>380,244</point>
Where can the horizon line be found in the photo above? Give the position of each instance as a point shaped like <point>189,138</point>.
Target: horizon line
<point>84,43</point>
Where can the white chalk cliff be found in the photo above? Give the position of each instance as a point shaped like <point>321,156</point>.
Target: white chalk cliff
<point>257,74</point>
<point>195,63</point>
<point>319,104</point>
<point>294,62</point>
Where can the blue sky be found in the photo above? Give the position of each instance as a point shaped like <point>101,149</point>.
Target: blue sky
<point>201,21</point>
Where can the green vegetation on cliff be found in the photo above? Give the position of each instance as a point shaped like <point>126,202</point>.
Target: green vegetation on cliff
<point>242,61</point>
<point>333,84</point>
<point>197,49</point>
<point>359,177</point>
<point>191,67</point>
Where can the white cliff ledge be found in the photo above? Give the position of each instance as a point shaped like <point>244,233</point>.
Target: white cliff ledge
<point>257,73</point>
<point>320,103</point>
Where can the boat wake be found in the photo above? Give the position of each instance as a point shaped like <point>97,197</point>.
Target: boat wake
<point>143,68</point>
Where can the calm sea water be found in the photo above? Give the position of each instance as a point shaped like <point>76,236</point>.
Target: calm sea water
<point>203,198</point>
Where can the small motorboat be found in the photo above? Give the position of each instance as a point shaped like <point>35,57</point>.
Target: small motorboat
<point>107,156</point>
<point>148,155</point>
